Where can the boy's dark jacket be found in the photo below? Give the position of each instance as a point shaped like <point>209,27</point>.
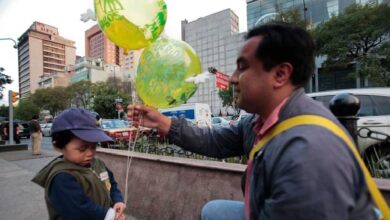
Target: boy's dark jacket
<point>88,178</point>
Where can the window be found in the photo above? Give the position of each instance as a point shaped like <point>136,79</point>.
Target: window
<point>366,106</point>
<point>324,99</point>
<point>382,105</point>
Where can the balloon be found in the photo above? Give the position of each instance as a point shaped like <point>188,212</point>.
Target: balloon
<point>131,24</point>
<point>162,70</point>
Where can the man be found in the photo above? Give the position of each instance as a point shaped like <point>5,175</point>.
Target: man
<point>36,135</point>
<point>16,130</point>
<point>306,172</point>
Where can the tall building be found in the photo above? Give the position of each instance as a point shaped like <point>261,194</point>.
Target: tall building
<point>315,11</point>
<point>216,40</point>
<point>129,63</point>
<point>42,52</point>
<point>97,45</point>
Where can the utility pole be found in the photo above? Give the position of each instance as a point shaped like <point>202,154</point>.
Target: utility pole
<point>10,118</point>
<point>304,13</point>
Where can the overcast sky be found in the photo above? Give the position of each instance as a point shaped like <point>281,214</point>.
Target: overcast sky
<point>17,15</point>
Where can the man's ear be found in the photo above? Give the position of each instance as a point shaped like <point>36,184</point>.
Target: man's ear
<point>283,74</point>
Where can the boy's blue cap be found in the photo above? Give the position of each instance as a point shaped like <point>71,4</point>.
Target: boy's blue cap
<point>81,123</point>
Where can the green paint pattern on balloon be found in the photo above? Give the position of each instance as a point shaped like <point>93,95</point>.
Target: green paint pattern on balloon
<point>161,73</point>
<point>131,24</point>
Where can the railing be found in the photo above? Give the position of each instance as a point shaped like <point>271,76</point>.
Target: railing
<point>152,144</point>
<point>377,157</point>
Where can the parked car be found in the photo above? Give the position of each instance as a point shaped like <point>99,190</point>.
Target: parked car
<point>219,121</point>
<point>374,121</point>
<point>46,129</point>
<point>24,130</point>
<point>120,131</point>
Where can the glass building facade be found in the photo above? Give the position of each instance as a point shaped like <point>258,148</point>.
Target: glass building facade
<point>216,40</point>
<point>317,11</point>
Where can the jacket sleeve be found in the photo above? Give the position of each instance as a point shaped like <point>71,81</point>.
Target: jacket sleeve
<point>70,202</point>
<point>217,142</point>
<point>115,193</point>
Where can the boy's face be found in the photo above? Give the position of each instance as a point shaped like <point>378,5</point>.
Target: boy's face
<point>79,152</point>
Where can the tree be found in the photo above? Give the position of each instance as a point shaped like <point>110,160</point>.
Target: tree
<point>359,36</point>
<point>4,79</point>
<point>53,99</point>
<point>4,111</point>
<point>81,94</point>
<point>26,109</point>
<point>105,94</point>
<point>228,98</point>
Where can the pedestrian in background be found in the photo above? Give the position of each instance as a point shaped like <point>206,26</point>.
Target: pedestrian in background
<point>36,135</point>
<point>304,172</point>
<point>16,131</point>
<point>77,184</point>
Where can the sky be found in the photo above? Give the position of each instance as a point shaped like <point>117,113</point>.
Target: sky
<point>16,16</point>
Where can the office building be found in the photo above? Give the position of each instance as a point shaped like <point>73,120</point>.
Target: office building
<point>129,63</point>
<point>97,45</point>
<point>88,69</point>
<point>216,40</point>
<point>317,11</point>
<point>42,52</point>
<point>314,12</point>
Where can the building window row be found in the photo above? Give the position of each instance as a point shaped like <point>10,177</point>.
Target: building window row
<point>52,44</point>
<point>53,68</point>
<point>53,50</point>
<point>59,56</point>
<point>53,61</point>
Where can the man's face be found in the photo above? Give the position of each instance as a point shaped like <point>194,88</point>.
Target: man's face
<point>79,152</point>
<point>253,84</point>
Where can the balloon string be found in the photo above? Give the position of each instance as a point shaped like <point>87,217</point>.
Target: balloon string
<point>131,145</point>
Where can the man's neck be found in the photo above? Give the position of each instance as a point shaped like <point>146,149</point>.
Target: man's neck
<point>264,113</point>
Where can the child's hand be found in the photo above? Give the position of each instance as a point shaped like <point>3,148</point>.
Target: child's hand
<point>119,208</point>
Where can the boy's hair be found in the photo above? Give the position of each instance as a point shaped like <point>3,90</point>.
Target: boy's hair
<point>286,43</point>
<point>62,138</point>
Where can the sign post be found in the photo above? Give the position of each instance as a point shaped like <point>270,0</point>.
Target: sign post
<point>222,80</point>
<point>119,106</point>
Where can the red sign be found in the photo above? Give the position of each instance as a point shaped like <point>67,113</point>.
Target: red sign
<point>222,80</point>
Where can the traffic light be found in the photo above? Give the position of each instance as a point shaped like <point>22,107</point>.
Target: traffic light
<point>15,96</point>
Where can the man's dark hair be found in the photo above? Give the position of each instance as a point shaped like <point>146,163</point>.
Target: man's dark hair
<point>62,138</point>
<point>286,43</point>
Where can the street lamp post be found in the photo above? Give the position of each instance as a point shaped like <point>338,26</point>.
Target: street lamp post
<point>8,38</point>
<point>304,13</point>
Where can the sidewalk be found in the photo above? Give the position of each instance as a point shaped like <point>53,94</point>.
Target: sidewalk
<point>19,197</point>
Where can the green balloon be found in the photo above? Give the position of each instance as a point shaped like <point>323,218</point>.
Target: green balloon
<point>162,70</point>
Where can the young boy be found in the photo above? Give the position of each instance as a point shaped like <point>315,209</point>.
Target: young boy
<point>78,185</point>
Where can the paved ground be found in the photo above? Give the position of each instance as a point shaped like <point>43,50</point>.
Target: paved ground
<point>19,197</point>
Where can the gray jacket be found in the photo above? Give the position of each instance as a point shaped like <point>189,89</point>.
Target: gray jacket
<point>304,173</point>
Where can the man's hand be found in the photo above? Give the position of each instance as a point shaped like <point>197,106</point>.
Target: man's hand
<point>148,117</point>
<point>119,208</point>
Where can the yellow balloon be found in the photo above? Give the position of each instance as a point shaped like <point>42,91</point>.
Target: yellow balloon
<point>162,70</point>
<point>131,24</point>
